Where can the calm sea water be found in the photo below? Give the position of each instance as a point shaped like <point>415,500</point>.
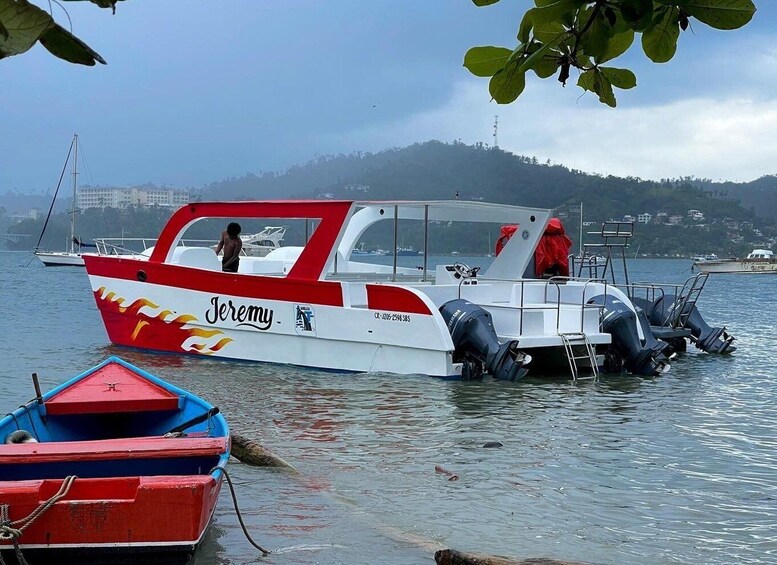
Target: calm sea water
<point>675,469</point>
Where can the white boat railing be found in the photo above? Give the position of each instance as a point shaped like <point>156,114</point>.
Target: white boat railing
<point>654,291</point>
<point>135,246</point>
<point>686,294</point>
<point>553,305</point>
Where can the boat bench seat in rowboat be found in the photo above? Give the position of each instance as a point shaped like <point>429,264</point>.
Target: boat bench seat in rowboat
<point>113,390</point>
<point>122,457</point>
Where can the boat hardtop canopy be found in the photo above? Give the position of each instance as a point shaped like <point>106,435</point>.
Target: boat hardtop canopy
<point>760,254</point>
<point>342,222</point>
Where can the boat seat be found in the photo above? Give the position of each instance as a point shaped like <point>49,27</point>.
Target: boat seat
<point>197,257</point>
<point>123,449</point>
<point>111,390</point>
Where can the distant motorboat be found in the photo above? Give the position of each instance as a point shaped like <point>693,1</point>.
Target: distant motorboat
<point>407,252</point>
<point>704,258</point>
<point>260,244</point>
<point>757,261</point>
<point>363,253</point>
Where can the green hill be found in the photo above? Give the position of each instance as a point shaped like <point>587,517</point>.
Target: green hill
<point>442,171</point>
<point>435,170</point>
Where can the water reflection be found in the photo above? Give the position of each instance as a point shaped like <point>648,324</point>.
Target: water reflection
<point>673,469</point>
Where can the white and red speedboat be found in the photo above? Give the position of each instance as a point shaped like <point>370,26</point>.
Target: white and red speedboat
<point>315,306</point>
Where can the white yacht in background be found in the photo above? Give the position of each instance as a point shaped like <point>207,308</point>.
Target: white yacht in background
<point>260,244</point>
<point>757,261</point>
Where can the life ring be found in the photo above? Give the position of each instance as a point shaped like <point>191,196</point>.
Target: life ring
<point>21,436</point>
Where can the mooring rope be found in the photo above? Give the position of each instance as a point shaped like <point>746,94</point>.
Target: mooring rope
<point>13,530</point>
<point>264,551</point>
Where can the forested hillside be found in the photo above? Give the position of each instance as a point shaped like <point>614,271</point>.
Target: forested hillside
<point>438,171</point>
<point>434,170</point>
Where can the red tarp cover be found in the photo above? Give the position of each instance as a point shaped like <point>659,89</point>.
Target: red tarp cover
<point>112,388</point>
<point>553,250</point>
<point>504,236</point>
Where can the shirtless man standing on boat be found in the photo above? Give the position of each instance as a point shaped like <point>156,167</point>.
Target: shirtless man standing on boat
<point>232,245</point>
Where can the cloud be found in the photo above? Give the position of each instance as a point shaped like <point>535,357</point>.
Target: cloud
<point>726,138</point>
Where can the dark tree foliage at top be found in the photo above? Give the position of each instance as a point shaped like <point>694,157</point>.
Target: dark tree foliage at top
<point>559,36</point>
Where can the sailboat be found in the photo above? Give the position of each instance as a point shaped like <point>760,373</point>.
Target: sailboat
<point>72,256</point>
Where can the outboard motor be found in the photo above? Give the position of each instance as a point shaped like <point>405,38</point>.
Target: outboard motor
<point>620,322</point>
<point>711,340</point>
<point>664,350</point>
<point>477,346</point>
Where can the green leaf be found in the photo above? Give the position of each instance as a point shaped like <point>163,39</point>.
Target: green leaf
<point>112,3</point>
<point>547,13</point>
<point>617,46</point>
<point>61,43</point>
<point>639,13</point>
<point>547,32</point>
<point>586,80</point>
<point>3,32</point>
<point>659,40</point>
<point>594,81</point>
<point>546,66</point>
<point>486,61</point>
<point>595,40</point>
<point>507,85</point>
<point>524,30</point>
<point>538,51</point>
<point>552,11</point>
<point>484,2</point>
<point>620,78</point>
<point>720,14</point>
<point>24,23</point>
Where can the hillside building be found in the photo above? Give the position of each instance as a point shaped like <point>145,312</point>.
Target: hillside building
<point>695,215</point>
<point>111,197</point>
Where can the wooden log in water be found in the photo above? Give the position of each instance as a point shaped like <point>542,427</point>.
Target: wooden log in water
<point>251,452</point>
<point>451,476</point>
<point>453,557</point>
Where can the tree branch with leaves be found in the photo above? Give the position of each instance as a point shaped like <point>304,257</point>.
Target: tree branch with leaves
<point>557,36</point>
<point>23,24</point>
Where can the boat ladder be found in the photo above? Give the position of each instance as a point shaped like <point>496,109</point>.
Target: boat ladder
<point>574,354</point>
<point>683,306</point>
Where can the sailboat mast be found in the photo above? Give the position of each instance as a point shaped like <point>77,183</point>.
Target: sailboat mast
<point>75,188</point>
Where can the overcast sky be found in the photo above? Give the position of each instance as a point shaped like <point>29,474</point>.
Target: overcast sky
<point>196,92</point>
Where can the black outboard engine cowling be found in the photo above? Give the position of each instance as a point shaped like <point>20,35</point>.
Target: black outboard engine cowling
<point>620,322</point>
<point>476,343</point>
<point>706,338</point>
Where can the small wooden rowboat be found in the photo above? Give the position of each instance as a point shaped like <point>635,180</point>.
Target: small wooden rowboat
<point>111,464</point>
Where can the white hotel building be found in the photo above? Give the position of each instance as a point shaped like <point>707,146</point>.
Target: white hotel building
<point>105,197</point>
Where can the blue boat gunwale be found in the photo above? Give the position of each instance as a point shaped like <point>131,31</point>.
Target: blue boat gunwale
<point>188,405</point>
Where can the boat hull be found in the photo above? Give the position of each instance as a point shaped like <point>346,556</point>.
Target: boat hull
<point>94,468</point>
<point>159,516</point>
<point>737,267</point>
<point>60,259</point>
<point>347,327</point>
<point>310,324</point>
